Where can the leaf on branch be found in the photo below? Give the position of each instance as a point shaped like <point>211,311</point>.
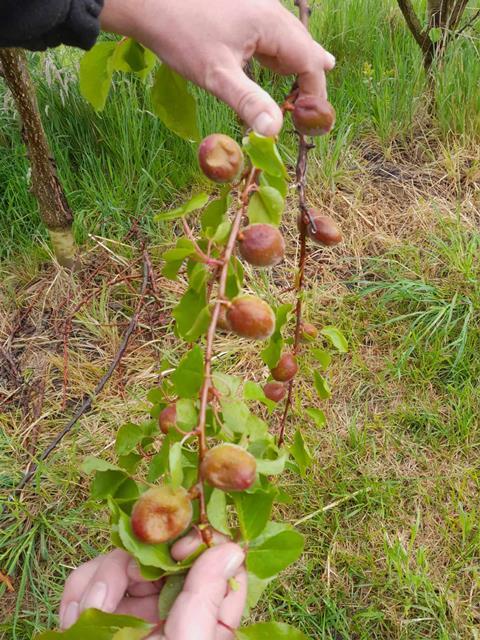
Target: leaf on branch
<point>322,357</point>
<point>94,623</point>
<point>280,184</point>
<point>263,153</point>
<point>96,71</point>
<point>198,201</point>
<point>132,57</point>
<point>301,454</point>
<point>175,464</point>
<point>254,510</point>
<point>128,437</point>
<point>317,416</point>
<point>174,104</point>
<point>188,377</point>
<point>266,206</point>
<point>322,386</point>
<point>275,553</point>
<point>170,591</point>
<point>217,511</point>
<point>336,337</point>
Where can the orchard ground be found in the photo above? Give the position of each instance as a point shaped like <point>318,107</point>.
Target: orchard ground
<point>391,507</point>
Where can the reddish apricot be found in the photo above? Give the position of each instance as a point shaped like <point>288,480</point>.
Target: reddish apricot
<point>308,331</point>
<point>167,418</point>
<point>261,245</point>
<point>251,317</point>
<point>275,391</point>
<point>323,230</point>
<point>220,158</point>
<point>229,467</point>
<point>313,116</point>
<point>161,514</point>
<point>286,368</point>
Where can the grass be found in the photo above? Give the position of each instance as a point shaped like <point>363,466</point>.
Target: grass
<point>391,507</point>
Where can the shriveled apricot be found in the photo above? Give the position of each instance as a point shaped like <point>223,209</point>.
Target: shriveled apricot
<point>286,368</point>
<point>167,418</point>
<point>275,391</point>
<point>229,467</point>
<point>220,158</point>
<point>261,245</point>
<point>313,116</point>
<point>161,514</point>
<point>251,317</point>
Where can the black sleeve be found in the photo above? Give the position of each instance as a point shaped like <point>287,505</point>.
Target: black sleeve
<point>38,24</point>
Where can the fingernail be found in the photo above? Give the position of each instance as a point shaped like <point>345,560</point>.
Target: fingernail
<point>95,596</point>
<point>331,59</point>
<point>264,124</point>
<point>234,563</point>
<point>70,616</point>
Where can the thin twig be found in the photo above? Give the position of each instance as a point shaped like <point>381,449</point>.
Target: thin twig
<point>88,402</point>
<point>220,299</point>
<point>301,177</point>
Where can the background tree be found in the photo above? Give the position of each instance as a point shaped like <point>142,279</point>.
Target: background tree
<point>54,209</point>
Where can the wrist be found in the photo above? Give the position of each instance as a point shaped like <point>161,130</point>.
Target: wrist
<point>122,16</point>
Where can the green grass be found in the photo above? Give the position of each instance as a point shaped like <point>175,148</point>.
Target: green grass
<point>391,507</point>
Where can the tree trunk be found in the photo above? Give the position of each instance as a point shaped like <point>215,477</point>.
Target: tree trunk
<point>53,205</point>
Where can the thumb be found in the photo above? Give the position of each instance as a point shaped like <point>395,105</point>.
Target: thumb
<point>195,613</point>
<point>252,103</point>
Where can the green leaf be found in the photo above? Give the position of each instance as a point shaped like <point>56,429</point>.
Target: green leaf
<point>107,483</point>
<point>175,464</point>
<point>170,591</point>
<point>235,275</point>
<point>227,385</point>
<point>336,337</point>
<point>132,57</point>
<point>91,464</point>
<point>322,386</point>
<point>215,214</point>
<point>188,311</point>
<point>280,184</point>
<point>217,511</point>
<point>256,428</point>
<point>254,510</point>
<point>130,462</point>
<point>256,587</point>
<point>275,553</point>
<point>270,631</point>
<point>322,357</point>
<point>235,414</point>
<point>186,414</point>
<point>200,326</point>
<point>273,466</point>
<point>197,201</point>
<point>317,416</point>
<point>188,377</point>
<point>435,34</point>
<point>173,103</point>
<point>266,205</point>
<point>272,352</point>
<point>93,623</point>
<point>96,70</point>
<point>264,154</point>
<point>159,463</point>
<point>128,437</point>
<point>301,454</point>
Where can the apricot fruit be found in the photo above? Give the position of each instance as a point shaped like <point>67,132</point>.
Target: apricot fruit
<point>286,368</point>
<point>229,467</point>
<point>251,317</point>
<point>161,514</point>
<point>323,230</point>
<point>167,418</point>
<point>313,116</point>
<point>220,158</point>
<point>275,391</point>
<point>308,331</point>
<point>261,245</point>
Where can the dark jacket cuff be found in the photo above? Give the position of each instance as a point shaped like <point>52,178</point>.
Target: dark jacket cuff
<point>39,24</point>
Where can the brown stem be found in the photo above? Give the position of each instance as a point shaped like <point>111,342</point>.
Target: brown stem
<point>421,36</point>
<point>201,254</point>
<point>220,299</point>
<point>53,205</point>
<point>301,177</point>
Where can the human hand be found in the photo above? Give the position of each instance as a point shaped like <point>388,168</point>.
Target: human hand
<point>206,609</point>
<point>209,42</point>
